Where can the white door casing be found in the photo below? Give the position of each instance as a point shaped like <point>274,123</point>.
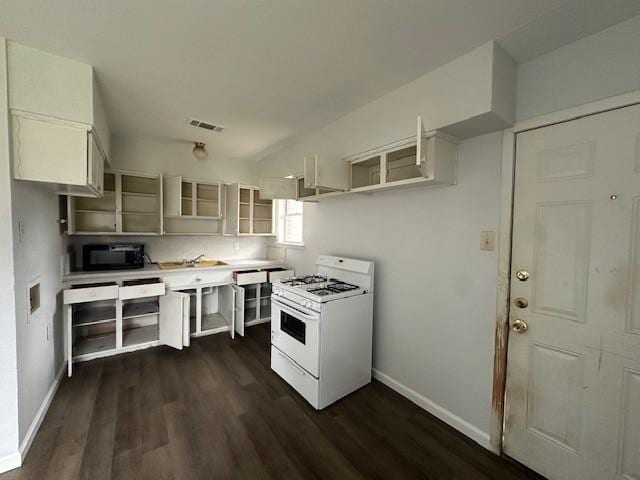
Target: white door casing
<point>573,378</point>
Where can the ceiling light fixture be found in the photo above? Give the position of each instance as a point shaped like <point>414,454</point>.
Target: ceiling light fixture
<point>199,151</point>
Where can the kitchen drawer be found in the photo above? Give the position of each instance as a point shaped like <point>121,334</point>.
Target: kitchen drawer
<point>274,275</point>
<point>250,277</point>
<point>90,293</point>
<point>191,280</point>
<point>142,291</point>
<point>301,380</point>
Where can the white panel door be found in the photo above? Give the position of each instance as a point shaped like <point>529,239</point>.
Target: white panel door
<point>573,375</point>
<point>172,195</point>
<point>174,313</point>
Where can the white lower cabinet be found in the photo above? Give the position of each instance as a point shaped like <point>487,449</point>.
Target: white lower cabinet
<point>212,309</point>
<point>107,318</point>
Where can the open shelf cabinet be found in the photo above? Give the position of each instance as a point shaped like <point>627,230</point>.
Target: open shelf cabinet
<point>214,309</point>
<point>116,317</point>
<point>131,205</point>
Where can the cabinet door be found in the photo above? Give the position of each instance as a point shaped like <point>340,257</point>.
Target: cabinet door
<point>231,209</point>
<point>174,312</point>
<point>71,216</point>
<point>239,309</point>
<point>173,196</point>
<point>49,151</point>
<point>436,156</point>
<point>95,164</point>
<point>227,306</point>
<point>422,148</point>
<point>310,171</point>
<point>325,174</point>
<point>278,188</point>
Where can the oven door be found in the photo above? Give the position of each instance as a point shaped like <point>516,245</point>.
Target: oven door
<point>295,331</point>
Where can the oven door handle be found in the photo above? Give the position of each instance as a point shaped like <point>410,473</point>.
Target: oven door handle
<point>294,311</point>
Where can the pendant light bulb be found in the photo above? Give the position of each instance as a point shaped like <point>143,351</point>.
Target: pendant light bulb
<point>199,151</point>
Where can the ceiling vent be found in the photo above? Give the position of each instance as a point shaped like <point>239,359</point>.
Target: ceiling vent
<point>194,122</point>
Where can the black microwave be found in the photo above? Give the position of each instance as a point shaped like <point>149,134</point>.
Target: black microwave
<point>102,256</point>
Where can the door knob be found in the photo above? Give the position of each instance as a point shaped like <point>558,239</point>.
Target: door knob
<point>522,275</point>
<point>519,326</point>
<point>521,302</point>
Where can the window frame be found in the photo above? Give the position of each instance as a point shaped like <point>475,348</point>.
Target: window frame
<point>281,223</point>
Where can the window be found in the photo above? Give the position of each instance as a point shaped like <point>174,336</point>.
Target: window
<point>289,222</point>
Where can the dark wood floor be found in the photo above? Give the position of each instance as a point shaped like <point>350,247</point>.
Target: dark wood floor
<point>216,411</point>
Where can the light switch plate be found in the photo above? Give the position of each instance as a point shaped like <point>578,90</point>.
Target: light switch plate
<point>488,240</point>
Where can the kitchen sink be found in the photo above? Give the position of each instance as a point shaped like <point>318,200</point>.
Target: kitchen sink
<point>200,264</point>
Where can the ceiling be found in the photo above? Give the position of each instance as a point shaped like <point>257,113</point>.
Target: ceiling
<point>268,70</point>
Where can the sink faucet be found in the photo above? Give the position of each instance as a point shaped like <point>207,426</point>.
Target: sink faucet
<point>194,261</point>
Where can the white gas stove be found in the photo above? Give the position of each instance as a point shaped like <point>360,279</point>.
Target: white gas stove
<point>321,329</point>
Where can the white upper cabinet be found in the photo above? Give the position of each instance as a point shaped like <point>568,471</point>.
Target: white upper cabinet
<point>247,211</point>
<point>428,158</point>
<point>130,205</point>
<point>192,198</point>
<point>193,207</point>
<point>324,173</point>
<point>65,155</point>
<point>59,128</point>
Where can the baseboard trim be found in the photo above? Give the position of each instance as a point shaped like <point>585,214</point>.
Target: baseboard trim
<point>474,433</point>
<point>42,411</point>
<point>10,462</point>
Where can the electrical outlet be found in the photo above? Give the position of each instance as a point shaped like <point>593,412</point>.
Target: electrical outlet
<point>487,240</point>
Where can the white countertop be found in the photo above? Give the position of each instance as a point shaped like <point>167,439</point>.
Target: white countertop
<point>154,270</point>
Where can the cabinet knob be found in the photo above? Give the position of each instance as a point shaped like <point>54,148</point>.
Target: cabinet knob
<point>198,279</point>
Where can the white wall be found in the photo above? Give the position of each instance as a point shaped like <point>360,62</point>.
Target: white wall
<point>37,257</point>
<point>8,356</point>
<point>595,67</point>
<point>435,290</point>
<point>175,158</point>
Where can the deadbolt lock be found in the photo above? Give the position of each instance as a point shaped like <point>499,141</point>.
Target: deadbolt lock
<point>521,302</point>
<point>522,275</point>
<point>519,326</point>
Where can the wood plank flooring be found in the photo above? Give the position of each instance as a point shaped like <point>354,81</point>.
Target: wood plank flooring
<point>216,411</point>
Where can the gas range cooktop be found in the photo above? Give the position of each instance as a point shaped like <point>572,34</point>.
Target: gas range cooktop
<point>319,286</point>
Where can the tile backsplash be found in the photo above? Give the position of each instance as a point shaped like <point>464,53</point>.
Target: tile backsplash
<point>175,248</point>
